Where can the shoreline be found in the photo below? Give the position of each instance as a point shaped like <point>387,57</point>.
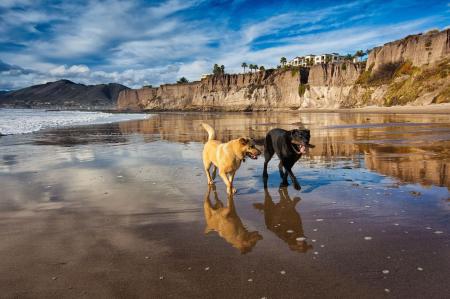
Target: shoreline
<point>407,109</point>
<point>429,109</point>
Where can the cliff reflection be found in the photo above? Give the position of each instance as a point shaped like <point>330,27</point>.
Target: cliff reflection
<point>227,223</point>
<point>412,148</point>
<point>283,219</point>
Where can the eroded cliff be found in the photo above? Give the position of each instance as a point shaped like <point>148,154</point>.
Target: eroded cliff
<point>419,49</point>
<point>414,70</point>
<point>263,90</point>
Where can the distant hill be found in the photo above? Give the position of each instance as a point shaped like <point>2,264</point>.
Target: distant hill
<point>63,94</point>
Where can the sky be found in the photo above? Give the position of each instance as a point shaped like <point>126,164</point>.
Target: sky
<point>138,42</point>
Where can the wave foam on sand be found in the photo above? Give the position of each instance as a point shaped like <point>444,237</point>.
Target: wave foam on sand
<point>20,121</point>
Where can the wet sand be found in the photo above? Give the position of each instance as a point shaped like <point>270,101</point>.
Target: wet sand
<point>124,211</point>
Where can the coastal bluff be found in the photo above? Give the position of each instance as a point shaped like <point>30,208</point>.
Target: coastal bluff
<point>414,71</point>
<point>228,92</point>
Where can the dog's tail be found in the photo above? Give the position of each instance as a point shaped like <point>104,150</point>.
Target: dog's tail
<point>210,130</point>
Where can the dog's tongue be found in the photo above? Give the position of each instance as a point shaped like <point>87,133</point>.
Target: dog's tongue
<point>303,149</point>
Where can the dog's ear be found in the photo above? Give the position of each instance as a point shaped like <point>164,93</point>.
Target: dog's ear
<point>243,141</point>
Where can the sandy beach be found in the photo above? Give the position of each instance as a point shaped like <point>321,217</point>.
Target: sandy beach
<point>123,210</point>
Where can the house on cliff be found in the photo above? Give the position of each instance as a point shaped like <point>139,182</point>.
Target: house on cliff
<point>312,59</point>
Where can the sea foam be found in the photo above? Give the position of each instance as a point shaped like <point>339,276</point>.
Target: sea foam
<point>20,121</point>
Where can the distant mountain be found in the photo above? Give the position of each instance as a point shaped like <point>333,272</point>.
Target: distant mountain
<point>63,94</point>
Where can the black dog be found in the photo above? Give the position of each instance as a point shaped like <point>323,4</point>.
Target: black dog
<point>284,220</point>
<point>289,146</point>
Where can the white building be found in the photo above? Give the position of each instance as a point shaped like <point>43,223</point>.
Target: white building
<point>328,58</point>
<point>302,60</point>
<point>295,61</point>
<point>308,60</point>
<point>312,59</point>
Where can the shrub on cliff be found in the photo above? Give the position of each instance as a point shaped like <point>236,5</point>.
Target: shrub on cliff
<point>383,75</point>
<point>421,81</point>
<point>302,89</point>
<point>405,68</point>
<point>218,70</point>
<point>183,80</point>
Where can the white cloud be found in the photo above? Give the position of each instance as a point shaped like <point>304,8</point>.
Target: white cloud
<point>63,70</point>
<point>16,77</point>
<point>195,69</point>
<point>138,44</point>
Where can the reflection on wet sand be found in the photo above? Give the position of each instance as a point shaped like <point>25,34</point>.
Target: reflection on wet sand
<point>68,137</point>
<point>411,148</point>
<point>411,164</point>
<point>227,223</point>
<point>283,219</point>
<point>116,211</point>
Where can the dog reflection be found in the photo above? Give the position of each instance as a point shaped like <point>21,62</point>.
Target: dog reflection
<point>283,219</point>
<point>226,222</point>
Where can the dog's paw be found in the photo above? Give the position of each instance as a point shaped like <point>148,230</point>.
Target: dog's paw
<point>297,186</point>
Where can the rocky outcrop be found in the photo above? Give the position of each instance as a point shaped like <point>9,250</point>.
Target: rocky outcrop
<point>420,49</point>
<point>64,94</point>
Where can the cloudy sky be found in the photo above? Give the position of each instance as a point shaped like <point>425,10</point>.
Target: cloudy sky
<point>138,42</point>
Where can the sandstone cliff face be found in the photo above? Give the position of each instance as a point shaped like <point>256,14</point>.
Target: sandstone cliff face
<point>419,49</point>
<point>329,85</point>
<point>414,70</point>
<point>238,92</point>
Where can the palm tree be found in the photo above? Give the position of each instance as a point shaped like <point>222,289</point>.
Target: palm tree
<point>251,67</point>
<point>222,69</point>
<point>359,54</point>
<point>244,65</point>
<point>283,60</point>
<point>262,68</point>
<point>255,67</point>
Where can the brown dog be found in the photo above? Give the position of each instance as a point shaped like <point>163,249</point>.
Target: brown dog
<point>226,156</point>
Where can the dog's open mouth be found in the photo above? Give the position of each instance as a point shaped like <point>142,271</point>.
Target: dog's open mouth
<point>252,155</point>
<point>300,148</point>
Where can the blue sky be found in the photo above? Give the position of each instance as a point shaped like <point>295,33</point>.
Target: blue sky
<point>139,42</point>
